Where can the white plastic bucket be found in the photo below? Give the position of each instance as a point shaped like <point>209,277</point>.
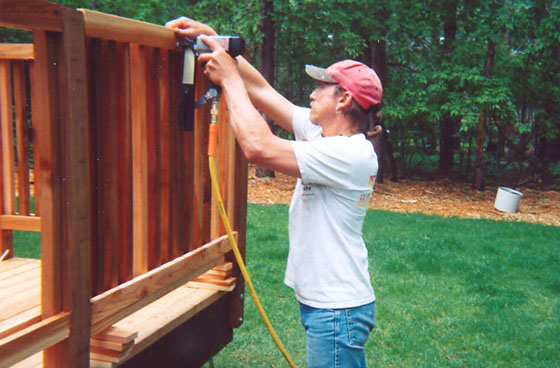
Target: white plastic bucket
<point>507,199</point>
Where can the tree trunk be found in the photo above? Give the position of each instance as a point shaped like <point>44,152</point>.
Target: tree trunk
<point>375,56</point>
<point>266,64</point>
<point>447,124</point>
<point>469,150</point>
<point>392,164</point>
<point>446,144</point>
<point>478,175</point>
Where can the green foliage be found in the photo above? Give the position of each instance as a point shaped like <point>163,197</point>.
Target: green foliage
<point>427,78</point>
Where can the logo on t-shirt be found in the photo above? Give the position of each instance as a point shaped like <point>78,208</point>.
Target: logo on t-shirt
<point>371,181</point>
<point>307,190</point>
<point>364,200</point>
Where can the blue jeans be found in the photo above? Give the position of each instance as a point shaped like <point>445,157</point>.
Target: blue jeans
<point>336,337</point>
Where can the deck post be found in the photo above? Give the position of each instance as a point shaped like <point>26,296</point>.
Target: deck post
<point>64,153</point>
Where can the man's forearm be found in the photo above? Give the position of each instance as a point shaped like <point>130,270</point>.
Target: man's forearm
<point>254,81</point>
<point>249,128</point>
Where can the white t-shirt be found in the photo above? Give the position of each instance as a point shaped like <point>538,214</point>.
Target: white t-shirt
<point>328,261</point>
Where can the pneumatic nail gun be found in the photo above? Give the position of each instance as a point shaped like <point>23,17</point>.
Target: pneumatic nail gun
<point>234,45</point>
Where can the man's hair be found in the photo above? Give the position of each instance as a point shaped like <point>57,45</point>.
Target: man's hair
<point>358,114</point>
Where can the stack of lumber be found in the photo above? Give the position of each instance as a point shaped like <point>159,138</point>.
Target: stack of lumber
<point>110,347</point>
<point>218,278</point>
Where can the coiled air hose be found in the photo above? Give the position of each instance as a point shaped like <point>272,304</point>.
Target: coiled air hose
<point>212,142</point>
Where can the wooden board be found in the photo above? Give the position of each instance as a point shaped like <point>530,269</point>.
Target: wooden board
<point>20,291</point>
<point>129,297</point>
<point>22,137</point>
<point>112,27</point>
<point>24,223</point>
<point>6,119</point>
<point>139,159</point>
<point>16,51</point>
<point>30,14</point>
<point>192,343</point>
<point>33,339</point>
<point>159,318</point>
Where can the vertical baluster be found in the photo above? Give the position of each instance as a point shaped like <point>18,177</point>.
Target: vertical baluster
<point>22,137</point>
<point>7,190</point>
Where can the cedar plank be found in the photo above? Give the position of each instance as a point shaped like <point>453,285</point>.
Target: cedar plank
<point>163,85</point>
<point>124,137</point>
<point>123,300</point>
<point>31,15</point>
<point>139,159</point>
<point>16,51</point>
<point>21,137</point>
<point>6,118</point>
<point>110,345</point>
<point>116,335</point>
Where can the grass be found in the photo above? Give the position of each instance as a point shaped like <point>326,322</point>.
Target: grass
<point>450,292</point>
<point>27,244</point>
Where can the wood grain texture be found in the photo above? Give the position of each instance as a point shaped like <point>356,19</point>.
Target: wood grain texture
<point>31,15</point>
<point>16,51</point>
<point>125,299</point>
<point>112,27</point>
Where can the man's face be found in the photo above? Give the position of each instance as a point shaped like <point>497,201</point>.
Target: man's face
<point>323,102</point>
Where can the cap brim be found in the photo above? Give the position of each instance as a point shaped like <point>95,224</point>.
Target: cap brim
<point>319,74</point>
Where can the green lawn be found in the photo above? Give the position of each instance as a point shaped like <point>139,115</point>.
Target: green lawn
<point>27,244</point>
<point>450,292</point>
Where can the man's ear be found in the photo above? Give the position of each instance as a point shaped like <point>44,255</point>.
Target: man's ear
<point>344,100</point>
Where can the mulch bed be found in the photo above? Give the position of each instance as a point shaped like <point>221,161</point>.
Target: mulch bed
<point>444,197</point>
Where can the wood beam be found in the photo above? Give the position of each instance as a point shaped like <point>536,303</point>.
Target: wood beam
<point>76,206</point>
<point>16,51</point>
<point>30,15</point>
<point>33,339</point>
<point>23,223</point>
<point>125,299</point>
<point>112,27</point>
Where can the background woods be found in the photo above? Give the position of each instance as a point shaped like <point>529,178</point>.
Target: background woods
<point>472,88</point>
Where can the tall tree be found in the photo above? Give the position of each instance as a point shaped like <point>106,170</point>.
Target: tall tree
<point>448,121</point>
<point>430,55</point>
<point>266,61</point>
<point>478,178</point>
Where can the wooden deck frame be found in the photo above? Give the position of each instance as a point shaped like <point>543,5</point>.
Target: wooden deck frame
<point>134,259</point>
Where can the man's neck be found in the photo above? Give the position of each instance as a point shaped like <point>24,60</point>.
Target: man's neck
<point>341,126</point>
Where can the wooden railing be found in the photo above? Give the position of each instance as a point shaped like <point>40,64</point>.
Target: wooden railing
<point>126,210</point>
<point>16,62</point>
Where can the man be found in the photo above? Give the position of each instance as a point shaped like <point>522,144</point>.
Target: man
<point>336,167</point>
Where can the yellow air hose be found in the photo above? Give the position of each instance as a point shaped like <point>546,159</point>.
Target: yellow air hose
<point>212,142</point>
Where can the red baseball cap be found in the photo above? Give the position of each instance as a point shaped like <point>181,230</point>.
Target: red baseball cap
<point>354,77</point>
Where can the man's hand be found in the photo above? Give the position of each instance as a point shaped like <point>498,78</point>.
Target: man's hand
<point>219,64</point>
<point>186,27</point>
